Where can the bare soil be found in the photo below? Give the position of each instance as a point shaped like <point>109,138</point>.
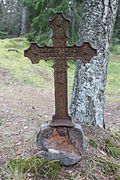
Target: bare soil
<point>23,108</point>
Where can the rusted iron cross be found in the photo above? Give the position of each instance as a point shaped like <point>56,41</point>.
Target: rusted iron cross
<point>60,52</point>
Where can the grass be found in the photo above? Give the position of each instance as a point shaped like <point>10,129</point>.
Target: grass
<point>117,135</point>
<point>111,149</point>
<point>31,168</point>
<point>108,167</point>
<point>108,146</point>
<point>115,49</point>
<point>92,143</point>
<point>20,68</point>
<point>41,75</point>
<point>113,80</point>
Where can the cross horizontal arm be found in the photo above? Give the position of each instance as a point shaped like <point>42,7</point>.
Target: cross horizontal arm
<point>84,52</point>
<point>36,53</point>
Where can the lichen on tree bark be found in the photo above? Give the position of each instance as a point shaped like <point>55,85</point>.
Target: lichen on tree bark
<point>88,96</point>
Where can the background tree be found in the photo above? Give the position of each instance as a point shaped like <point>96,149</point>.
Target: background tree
<point>10,18</point>
<point>23,27</point>
<point>40,11</point>
<point>88,97</point>
<point>116,33</point>
<point>13,20</point>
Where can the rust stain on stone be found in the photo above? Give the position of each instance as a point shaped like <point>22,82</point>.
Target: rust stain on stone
<point>60,52</point>
<point>61,143</point>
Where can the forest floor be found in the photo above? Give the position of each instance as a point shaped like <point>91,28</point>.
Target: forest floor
<point>27,100</point>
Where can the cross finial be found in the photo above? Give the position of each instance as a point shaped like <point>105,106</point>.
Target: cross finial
<point>59,25</point>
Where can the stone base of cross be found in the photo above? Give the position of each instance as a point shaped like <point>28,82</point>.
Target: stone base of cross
<point>61,139</point>
<point>62,143</point>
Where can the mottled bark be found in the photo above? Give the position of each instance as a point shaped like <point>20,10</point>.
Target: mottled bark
<point>23,28</point>
<point>88,96</point>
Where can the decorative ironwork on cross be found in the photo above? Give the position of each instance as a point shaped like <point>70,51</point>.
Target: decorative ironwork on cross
<point>60,52</point>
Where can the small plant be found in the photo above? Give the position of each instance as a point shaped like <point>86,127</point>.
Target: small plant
<point>33,167</point>
<point>111,149</point>
<point>92,143</point>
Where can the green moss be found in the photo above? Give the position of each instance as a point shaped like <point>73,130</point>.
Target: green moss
<point>92,143</point>
<point>111,149</point>
<point>35,167</point>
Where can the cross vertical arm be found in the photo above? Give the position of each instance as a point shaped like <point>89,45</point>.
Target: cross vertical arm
<point>59,52</point>
<point>61,117</point>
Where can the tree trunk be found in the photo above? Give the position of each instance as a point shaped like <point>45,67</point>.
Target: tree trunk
<point>23,28</point>
<point>88,96</point>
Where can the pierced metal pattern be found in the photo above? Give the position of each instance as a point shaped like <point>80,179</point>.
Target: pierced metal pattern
<point>60,52</point>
